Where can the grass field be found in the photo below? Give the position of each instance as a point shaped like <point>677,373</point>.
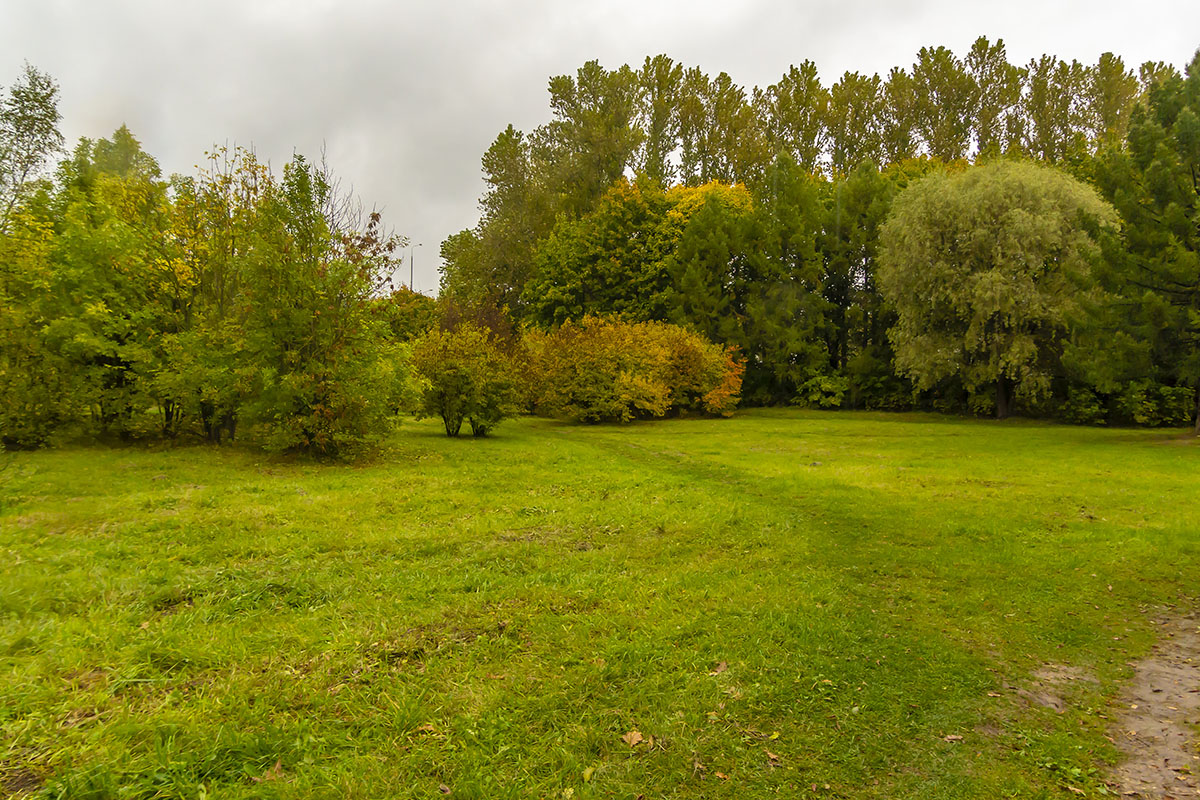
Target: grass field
<point>786,603</point>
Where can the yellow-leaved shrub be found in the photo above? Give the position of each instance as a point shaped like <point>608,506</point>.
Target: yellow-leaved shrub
<point>603,369</point>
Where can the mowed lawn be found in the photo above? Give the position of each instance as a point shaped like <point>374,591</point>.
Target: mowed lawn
<point>785,603</point>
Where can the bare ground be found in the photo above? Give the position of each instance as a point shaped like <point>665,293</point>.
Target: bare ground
<point>1156,722</point>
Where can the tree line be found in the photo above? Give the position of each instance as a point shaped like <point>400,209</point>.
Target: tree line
<point>1006,239</point>
<point>240,298</point>
<point>133,304</point>
<point>758,217</point>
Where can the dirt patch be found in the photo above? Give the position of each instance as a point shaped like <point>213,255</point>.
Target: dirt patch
<point>1052,686</point>
<point>17,780</point>
<point>1159,709</point>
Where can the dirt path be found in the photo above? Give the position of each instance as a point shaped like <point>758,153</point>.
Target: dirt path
<point>1156,725</point>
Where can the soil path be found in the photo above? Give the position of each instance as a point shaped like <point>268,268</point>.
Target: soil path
<point>1156,724</point>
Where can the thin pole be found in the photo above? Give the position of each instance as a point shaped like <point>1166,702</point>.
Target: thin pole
<point>411,256</point>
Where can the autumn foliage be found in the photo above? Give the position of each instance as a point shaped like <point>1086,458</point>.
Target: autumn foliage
<point>603,369</point>
<point>465,377</point>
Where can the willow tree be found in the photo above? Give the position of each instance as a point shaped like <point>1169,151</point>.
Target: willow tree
<point>985,269</point>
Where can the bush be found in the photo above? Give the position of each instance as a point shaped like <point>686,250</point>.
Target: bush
<point>1082,407</point>
<point>1154,405</point>
<point>823,391</point>
<point>466,377</point>
<point>35,393</point>
<point>606,370</point>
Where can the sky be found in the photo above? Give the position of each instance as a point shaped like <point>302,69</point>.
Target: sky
<point>405,97</point>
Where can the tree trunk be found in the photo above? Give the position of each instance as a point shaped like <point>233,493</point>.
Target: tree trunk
<point>1003,397</point>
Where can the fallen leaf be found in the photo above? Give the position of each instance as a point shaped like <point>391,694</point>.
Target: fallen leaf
<point>721,775</point>
<point>633,738</point>
<point>497,677</point>
<point>145,625</point>
<point>1076,791</point>
<point>774,759</point>
<point>426,728</point>
<point>994,694</point>
<point>954,737</point>
<point>443,788</point>
<point>588,773</point>
<point>724,665</point>
<point>273,774</point>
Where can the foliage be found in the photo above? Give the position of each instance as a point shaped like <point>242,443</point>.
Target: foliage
<point>1154,405</point>
<point>747,274</point>
<point>467,377</point>
<point>138,304</point>
<point>743,270</point>
<point>321,381</point>
<point>29,137</point>
<point>407,314</point>
<point>1082,407</point>
<point>602,369</point>
<point>985,269</point>
<point>113,274</point>
<point>789,278</point>
<point>38,395</point>
<point>823,391</point>
<point>1150,328</point>
<point>609,260</point>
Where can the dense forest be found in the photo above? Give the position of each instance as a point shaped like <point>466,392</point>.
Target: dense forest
<point>965,235</point>
<point>759,217</point>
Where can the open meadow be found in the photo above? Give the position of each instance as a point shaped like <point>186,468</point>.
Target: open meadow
<point>788,603</point>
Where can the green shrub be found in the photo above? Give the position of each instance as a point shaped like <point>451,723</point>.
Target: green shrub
<point>35,393</point>
<point>1152,404</point>
<point>823,391</point>
<point>1082,407</point>
<point>465,377</point>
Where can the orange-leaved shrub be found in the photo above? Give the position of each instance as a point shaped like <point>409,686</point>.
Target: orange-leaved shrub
<point>603,369</point>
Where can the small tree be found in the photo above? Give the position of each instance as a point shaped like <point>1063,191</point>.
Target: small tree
<point>324,381</point>
<point>985,268</point>
<point>467,377</point>
<point>29,137</point>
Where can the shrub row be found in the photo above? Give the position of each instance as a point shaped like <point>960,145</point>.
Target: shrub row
<point>601,369</point>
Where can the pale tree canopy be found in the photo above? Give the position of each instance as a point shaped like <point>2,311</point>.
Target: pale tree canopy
<point>985,268</point>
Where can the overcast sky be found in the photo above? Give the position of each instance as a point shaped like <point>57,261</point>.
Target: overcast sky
<point>407,95</point>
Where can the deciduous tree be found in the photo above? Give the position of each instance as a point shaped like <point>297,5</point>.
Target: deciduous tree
<point>985,269</point>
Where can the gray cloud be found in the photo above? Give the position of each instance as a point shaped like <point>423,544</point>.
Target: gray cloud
<point>407,96</point>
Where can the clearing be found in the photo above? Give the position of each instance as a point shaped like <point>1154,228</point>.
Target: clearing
<point>795,603</point>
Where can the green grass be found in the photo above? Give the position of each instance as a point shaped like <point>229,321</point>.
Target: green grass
<point>493,616</point>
